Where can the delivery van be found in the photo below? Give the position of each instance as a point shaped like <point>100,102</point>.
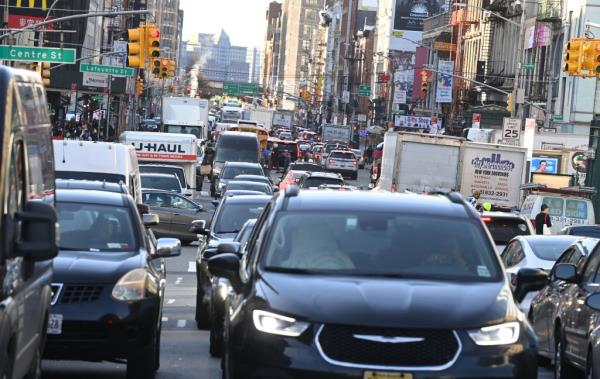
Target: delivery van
<point>564,207</point>
<point>103,161</point>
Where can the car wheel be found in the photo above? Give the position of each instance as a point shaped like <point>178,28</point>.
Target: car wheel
<point>143,365</point>
<point>35,370</point>
<point>216,343</point>
<point>562,368</point>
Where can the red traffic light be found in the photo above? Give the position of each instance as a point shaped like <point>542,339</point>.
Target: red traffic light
<point>155,33</point>
<point>165,63</point>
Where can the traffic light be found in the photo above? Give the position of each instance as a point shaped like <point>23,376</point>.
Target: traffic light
<point>171,68</point>
<point>45,73</point>
<point>140,86</point>
<point>155,65</point>
<point>510,102</point>
<point>135,50</point>
<point>152,41</point>
<point>164,68</point>
<point>572,57</point>
<point>590,60</point>
<point>424,81</point>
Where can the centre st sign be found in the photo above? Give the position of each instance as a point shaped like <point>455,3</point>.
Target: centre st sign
<point>37,54</point>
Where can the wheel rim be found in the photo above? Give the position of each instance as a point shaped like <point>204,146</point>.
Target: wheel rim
<point>557,361</point>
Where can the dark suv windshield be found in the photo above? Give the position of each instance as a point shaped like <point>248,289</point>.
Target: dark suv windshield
<point>232,217</point>
<point>316,182</point>
<point>505,229</point>
<point>94,227</point>
<point>237,149</point>
<point>380,244</point>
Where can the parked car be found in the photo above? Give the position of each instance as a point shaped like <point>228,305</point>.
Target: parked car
<point>534,252</point>
<point>176,214</point>
<point>322,290</point>
<point>233,169</point>
<point>343,162</point>
<point>227,221</point>
<point>163,182</point>
<point>504,226</point>
<point>29,240</point>
<point>582,231</point>
<point>316,179</point>
<point>108,288</point>
<point>220,290</point>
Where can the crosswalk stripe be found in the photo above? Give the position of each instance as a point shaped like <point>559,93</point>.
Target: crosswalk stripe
<point>192,267</point>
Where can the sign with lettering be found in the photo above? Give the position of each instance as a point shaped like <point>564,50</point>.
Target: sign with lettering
<point>37,54</point>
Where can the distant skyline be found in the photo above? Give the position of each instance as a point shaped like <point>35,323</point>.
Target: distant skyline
<point>242,20</point>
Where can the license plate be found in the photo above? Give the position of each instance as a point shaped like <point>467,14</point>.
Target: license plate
<point>55,324</point>
<point>387,375</point>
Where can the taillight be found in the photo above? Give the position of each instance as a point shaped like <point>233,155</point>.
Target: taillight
<point>298,153</point>
<point>330,161</point>
<point>487,220</point>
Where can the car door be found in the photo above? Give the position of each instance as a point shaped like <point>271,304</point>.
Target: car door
<point>160,204</point>
<point>184,212</point>
<point>577,314</point>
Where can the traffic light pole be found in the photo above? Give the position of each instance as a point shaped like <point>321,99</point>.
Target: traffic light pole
<point>106,128</point>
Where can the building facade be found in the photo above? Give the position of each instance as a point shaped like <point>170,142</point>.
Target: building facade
<point>254,63</point>
<point>218,60</point>
<point>271,48</point>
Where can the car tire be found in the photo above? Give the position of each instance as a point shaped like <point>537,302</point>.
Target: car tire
<point>562,368</point>
<point>215,344</point>
<point>35,370</point>
<point>143,365</point>
<point>157,349</point>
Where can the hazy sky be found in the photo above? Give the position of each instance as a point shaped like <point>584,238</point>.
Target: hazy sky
<point>243,20</point>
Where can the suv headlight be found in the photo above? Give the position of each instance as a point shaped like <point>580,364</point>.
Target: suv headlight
<point>503,334</point>
<point>135,285</point>
<point>273,323</point>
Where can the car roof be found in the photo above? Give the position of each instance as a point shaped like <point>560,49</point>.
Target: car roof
<point>158,175</point>
<point>316,174</point>
<point>242,164</point>
<point>558,237</point>
<point>243,193</point>
<point>90,196</point>
<point>248,199</point>
<point>91,185</point>
<point>374,202</point>
<point>582,227</point>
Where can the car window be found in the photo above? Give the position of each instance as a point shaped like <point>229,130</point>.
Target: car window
<point>571,256</point>
<point>316,182</point>
<point>231,172</point>
<point>95,227</point>
<point>590,274</point>
<point>505,229</point>
<point>549,250</point>
<point>343,155</point>
<point>161,200</point>
<point>161,183</point>
<point>233,216</point>
<point>513,255</point>
<point>555,205</point>
<point>182,203</point>
<point>378,243</point>
<point>576,209</point>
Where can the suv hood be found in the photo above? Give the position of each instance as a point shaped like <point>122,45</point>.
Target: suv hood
<point>91,267</point>
<point>388,302</point>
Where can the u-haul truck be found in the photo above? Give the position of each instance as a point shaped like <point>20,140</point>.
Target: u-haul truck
<point>166,148</point>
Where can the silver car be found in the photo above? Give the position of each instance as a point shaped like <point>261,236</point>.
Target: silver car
<point>343,162</point>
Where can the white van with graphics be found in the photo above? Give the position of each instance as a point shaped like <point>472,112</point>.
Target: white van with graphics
<point>167,148</point>
<point>564,209</point>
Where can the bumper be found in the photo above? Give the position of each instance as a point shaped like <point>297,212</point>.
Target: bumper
<point>265,357</point>
<point>343,171</point>
<point>106,329</point>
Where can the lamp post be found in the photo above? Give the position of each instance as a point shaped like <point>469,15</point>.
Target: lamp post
<point>521,26</point>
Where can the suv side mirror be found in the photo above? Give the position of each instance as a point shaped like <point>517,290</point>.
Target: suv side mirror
<point>150,219</point>
<point>38,240</point>
<point>226,266</point>
<point>566,272</point>
<point>229,248</point>
<point>529,280</point>
<point>593,301</point>
<point>167,248</point>
<point>198,227</point>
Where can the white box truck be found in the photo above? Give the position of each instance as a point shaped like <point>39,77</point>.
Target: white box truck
<point>283,118</point>
<point>425,163</point>
<point>168,148</point>
<point>331,133</point>
<point>185,115</point>
<point>262,116</point>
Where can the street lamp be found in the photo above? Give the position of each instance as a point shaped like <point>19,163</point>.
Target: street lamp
<point>521,26</point>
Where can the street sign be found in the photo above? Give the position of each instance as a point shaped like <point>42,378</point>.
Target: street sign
<point>345,97</point>
<point>528,66</point>
<point>476,121</point>
<point>557,117</point>
<point>37,54</point>
<point>107,70</point>
<point>240,88</point>
<point>364,90</point>
<point>444,46</point>
<point>511,132</point>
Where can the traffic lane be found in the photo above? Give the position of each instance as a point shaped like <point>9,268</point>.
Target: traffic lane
<point>184,349</point>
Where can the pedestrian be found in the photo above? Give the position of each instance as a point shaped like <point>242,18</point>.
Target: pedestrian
<point>266,157</point>
<point>205,168</point>
<point>474,199</point>
<point>543,222</point>
<point>287,159</point>
<point>368,154</point>
<point>275,157</point>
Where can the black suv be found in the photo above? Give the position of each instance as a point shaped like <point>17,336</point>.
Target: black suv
<point>358,285</point>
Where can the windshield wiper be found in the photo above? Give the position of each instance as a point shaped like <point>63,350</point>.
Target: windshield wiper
<point>71,248</point>
<point>227,232</point>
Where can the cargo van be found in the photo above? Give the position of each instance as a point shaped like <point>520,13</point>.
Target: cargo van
<point>103,161</point>
<point>28,223</point>
<point>234,147</point>
<point>566,208</point>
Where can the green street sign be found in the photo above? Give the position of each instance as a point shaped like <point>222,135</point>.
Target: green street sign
<point>97,98</point>
<point>37,54</point>
<point>364,90</point>
<point>240,88</point>
<point>108,70</point>
<point>557,117</point>
<point>527,66</point>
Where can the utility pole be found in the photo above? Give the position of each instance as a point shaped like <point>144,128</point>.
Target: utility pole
<point>520,41</point>
<point>347,52</point>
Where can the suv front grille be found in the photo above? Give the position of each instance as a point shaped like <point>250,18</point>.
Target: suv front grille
<point>388,347</point>
<point>73,294</point>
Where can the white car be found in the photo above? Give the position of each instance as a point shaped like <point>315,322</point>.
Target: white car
<point>533,252</point>
<point>343,162</point>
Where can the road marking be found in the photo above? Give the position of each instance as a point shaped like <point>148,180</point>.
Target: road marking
<point>181,323</point>
<point>165,319</point>
<point>192,267</point>
<point>170,301</point>
<point>179,280</point>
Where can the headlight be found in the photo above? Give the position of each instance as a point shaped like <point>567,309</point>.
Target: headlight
<point>503,334</point>
<point>135,285</point>
<point>277,324</point>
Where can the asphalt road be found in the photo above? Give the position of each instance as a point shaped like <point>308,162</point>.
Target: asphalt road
<point>184,349</point>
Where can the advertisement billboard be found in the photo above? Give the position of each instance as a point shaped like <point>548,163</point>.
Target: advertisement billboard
<point>409,14</point>
<point>544,165</point>
<point>444,82</point>
<point>400,87</point>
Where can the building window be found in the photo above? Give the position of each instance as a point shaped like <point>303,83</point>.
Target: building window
<point>311,3</point>
<point>307,31</point>
<point>306,45</point>
<point>310,15</point>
